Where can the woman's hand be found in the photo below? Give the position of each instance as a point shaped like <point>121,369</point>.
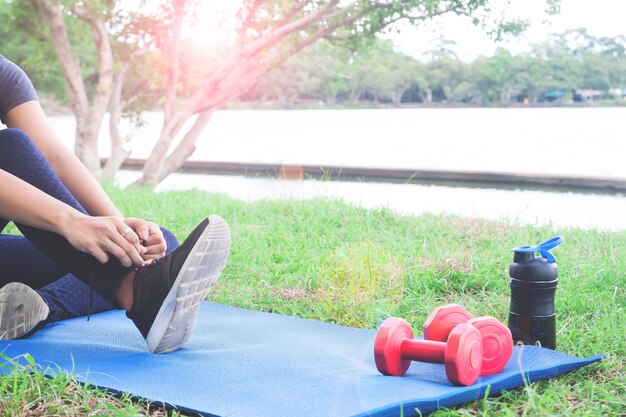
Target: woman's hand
<point>151,237</point>
<point>101,236</point>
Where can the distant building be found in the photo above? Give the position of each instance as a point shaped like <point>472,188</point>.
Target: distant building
<point>587,95</point>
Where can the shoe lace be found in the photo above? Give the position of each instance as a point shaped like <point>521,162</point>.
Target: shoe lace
<point>93,273</point>
<point>155,262</point>
<point>152,264</point>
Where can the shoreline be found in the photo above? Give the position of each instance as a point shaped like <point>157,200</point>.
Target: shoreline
<point>58,108</point>
<point>392,175</point>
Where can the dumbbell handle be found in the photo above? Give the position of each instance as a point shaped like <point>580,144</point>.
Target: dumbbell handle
<point>395,348</point>
<point>422,350</point>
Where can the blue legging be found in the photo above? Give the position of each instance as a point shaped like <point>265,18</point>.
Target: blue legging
<point>46,261</point>
<point>66,295</point>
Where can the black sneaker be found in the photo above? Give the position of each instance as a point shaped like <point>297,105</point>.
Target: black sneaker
<point>22,311</point>
<point>168,292</point>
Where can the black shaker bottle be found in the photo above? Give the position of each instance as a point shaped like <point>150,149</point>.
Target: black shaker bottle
<point>533,281</point>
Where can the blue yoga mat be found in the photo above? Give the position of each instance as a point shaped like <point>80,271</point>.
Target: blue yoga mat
<point>248,363</point>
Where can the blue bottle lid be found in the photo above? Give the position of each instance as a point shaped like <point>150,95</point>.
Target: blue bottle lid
<point>542,248</point>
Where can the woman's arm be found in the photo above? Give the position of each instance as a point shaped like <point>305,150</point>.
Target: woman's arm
<point>97,236</point>
<point>20,108</point>
<point>30,118</point>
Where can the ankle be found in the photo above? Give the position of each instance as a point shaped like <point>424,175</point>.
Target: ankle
<point>124,294</point>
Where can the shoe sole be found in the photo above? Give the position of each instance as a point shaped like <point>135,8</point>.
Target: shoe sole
<point>177,316</point>
<point>21,309</point>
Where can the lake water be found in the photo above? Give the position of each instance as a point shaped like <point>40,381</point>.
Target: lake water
<point>576,142</point>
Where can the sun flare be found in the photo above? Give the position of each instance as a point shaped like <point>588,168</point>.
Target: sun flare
<point>211,25</point>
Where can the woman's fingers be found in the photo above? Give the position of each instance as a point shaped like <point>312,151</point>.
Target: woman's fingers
<point>118,252</point>
<point>123,250</point>
<point>146,256</point>
<point>155,244</point>
<point>139,226</point>
<point>99,254</point>
<point>103,236</point>
<point>155,230</point>
<point>131,237</point>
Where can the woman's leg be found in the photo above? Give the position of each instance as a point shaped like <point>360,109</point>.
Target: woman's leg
<point>21,262</point>
<point>20,157</point>
<point>164,296</point>
<point>68,297</point>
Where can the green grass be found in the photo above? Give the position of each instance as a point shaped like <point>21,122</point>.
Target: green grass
<point>328,261</point>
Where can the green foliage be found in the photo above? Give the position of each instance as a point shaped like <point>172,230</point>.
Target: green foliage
<point>332,73</point>
<point>446,77</point>
<point>495,77</point>
<point>358,282</point>
<point>26,391</point>
<point>375,71</point>
<point>350,66</point>
<point>25,40</point>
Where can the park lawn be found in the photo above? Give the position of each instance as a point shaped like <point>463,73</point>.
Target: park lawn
<point>328,261</point>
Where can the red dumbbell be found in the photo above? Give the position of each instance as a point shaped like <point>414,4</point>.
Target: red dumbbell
<point>497,339</point>
<point>395,348</point>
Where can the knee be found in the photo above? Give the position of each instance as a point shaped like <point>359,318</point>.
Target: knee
<point>11,134</point>
<point>12,140</point>
<point>17,150</point>
<point>170,240</point>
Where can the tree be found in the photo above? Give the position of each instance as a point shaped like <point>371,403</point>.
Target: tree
<point>268,33</point>
<point>89,111</point>
<point>603,59</point>
<point>495,77</point>
<point>92,60</point>
<point>300,78</point>
<point>385,74</point>
<point>331,64</point>
<point>23,42</point>
<point>445,75</point>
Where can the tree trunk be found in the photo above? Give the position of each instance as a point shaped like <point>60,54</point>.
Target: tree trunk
<point>447,92</point>
<point>118,153</point>
<point>236,83</point>
<point>429,95</point>
<point>185,148</point>
<point>173,120</point>
<point>354,95</point>
<point>88,117</point>
<point>237,76</point>
<point>159,165</point>
<point>152,166</point>
<point>86,147</point>
<point>282,97</point>
<point>535,98</point>
<point>505,96</point>
<point>397,96</point>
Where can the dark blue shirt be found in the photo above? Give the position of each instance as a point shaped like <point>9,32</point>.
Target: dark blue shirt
<point>15,87</point>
